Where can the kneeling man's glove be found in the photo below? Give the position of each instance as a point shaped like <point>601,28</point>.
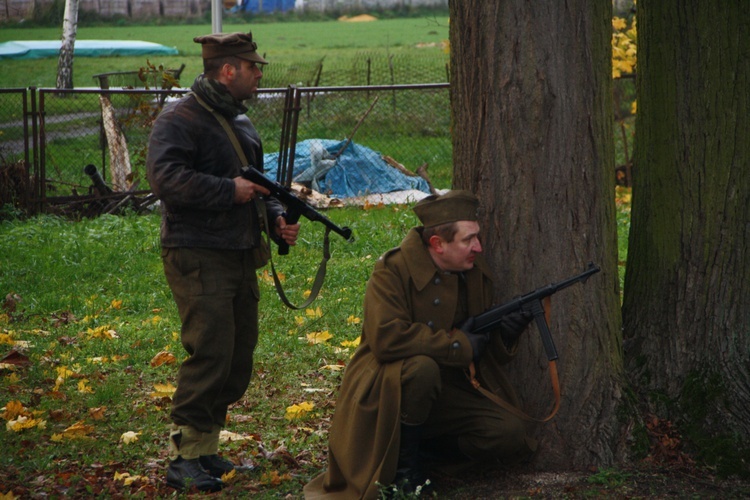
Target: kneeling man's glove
<point>513,325</point>
<point>478,341</point>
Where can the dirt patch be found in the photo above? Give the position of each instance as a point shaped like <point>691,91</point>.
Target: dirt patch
<point>644,482</point>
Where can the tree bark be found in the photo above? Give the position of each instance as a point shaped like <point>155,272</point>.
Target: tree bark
<point>686,304</point>
<point>532,136</point>
<point>65,62</point>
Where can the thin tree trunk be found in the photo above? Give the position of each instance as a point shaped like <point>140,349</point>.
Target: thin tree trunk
<point>686,305</point>
<point>532,123</point>
<point>65,62</point>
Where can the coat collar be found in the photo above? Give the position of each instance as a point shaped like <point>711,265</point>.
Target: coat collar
<point>421,267</point>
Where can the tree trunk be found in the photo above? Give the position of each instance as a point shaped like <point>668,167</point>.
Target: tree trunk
<point>65,62</point>
<point>532,136</point>
<point>686,305</point>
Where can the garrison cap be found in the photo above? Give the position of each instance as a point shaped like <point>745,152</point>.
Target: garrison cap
<point>452,206</point>
<point>230,44</point>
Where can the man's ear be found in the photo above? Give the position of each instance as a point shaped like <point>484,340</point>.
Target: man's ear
<point>228,71</point>
<point>436,243</point>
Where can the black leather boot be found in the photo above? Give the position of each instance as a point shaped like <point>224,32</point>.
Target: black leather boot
<point>185,474</point>
<point>216,465</point>
<point>442,450</point>
<point>409,473</point>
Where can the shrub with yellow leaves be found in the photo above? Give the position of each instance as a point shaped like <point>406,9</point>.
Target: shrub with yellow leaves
<point>624,47</point>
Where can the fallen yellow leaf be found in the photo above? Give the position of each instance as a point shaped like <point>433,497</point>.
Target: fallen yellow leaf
<point>126,478</point>
<point>227,436</point>
<point>273,478</point>
<point>78,430</point>
<point>13,409</point>
<point>163,358</point>
<point>353,320</point>
<point>84,388</point>
<point>97,413</point>
<point>318,337</point>
<point>102,332</point>
<point>313,312</point>
<point>298,411</point>
<point>129,437</point>
<point>22,423</point>
<point>163,390</point>
<point>351,343</point>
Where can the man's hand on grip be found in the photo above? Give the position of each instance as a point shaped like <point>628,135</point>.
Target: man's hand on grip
<point>513,325</point>
<point>478,341</point>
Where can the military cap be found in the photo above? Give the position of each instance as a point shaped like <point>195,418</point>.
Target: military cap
<point>230,44</point>
<point>452,206</point>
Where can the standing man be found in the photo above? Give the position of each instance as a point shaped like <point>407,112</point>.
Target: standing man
<point>405,396</point>
<point>210,236</point>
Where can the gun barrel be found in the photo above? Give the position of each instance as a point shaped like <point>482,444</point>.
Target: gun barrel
<point>295,207</point>
<point>96,179</point>
<point>489,320</point>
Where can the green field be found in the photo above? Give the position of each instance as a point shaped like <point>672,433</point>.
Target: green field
<point>284,44</point>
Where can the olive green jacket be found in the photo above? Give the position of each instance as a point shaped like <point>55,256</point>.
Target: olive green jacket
<point>410,309</point>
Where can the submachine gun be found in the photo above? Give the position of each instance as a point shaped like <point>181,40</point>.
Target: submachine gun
<point>532,302</point>
<point>294,206</point>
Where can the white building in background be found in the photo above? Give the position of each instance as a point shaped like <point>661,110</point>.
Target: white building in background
<point>24,9</point>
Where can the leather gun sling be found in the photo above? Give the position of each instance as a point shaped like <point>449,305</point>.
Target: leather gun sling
<point>509,407</point>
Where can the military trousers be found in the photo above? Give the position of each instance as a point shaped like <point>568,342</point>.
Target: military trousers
<point>447,406</point>
<point>216,292</point>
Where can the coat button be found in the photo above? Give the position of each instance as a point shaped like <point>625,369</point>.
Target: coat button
<point>437,280</point>
<point>455,345</point>
<point>431,324</point>
<point>436,302</point>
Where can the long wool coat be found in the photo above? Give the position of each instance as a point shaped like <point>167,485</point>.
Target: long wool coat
<point>410,308</point>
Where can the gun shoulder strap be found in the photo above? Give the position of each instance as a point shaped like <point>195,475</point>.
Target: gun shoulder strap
<point>260,207</point>
<point>509,407</point>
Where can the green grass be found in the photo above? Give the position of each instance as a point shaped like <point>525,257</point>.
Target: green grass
<point>74,279</point>
<point>68,283</point>
<point>284,44</point>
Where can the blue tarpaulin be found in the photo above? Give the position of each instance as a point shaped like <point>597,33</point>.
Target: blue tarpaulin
<point>258,6</point>
<point>36,49</point>
<point>358,171</point>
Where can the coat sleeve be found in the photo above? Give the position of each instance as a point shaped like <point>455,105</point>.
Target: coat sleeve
<point>173,173</point>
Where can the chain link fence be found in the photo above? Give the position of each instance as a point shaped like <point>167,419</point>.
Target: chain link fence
<point>63,139</point>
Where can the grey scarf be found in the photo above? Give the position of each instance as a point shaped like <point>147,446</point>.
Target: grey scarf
<point>217,96</point>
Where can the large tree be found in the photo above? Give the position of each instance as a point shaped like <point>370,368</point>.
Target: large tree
<point>532,136</point>
<point>686,306</point>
